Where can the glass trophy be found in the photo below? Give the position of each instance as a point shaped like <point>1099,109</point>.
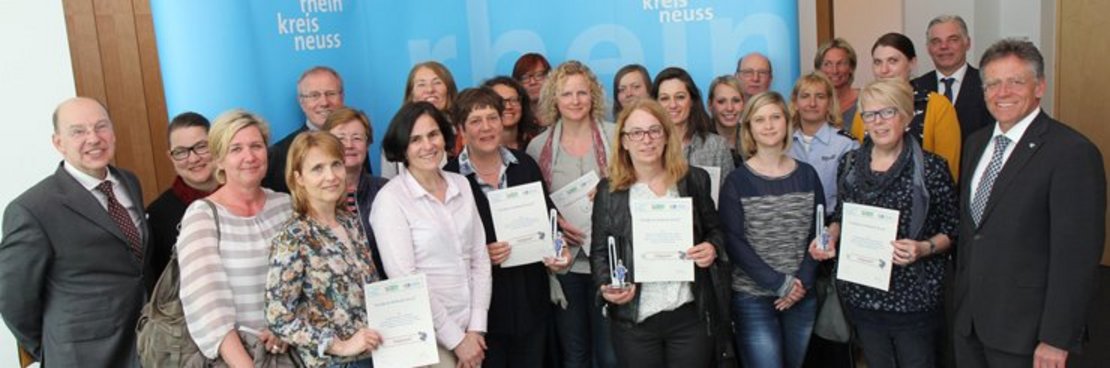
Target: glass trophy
<point>822,234</point>
<point>617,271</point>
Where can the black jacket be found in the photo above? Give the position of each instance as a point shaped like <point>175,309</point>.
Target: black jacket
<point>521,295</point>
<point>368,187</point>
<point>712,285</point>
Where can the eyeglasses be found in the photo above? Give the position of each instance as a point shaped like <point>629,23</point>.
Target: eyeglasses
<point>534,77</point>
<point>356,139</point>
<point>182,153</point>
<point>654,132</point>
<point>515,101</point>
<point>871,116</point>
<point>748,73</point>
<point>314,96</point>
<point>994,84</point>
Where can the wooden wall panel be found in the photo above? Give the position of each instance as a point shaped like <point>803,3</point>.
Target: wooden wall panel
<point>115,60</point>
<point>1080,81</point>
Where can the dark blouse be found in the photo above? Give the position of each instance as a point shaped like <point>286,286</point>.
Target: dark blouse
<point>917,287</point>
<point>521,295</point>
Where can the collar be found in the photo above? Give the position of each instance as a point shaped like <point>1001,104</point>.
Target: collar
<point>958,75</point>
<point>415,190</point>
<point>466,168</point>
<point>308,125</point>
<point>1018,130</point>
<point>824,135</point>
<point>88,181</point>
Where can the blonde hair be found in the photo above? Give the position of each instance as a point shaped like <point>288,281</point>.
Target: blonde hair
<point>818,79</point>
<point>621,173</point>
<point>224,129</point>
<point>298,151</point>
<point>549,94</point>
<point>891,92</point>
<point>747,140</point>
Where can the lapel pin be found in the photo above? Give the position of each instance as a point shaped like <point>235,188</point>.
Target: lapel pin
<point>1032,145</point>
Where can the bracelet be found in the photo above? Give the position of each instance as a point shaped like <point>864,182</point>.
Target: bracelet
<point>932,246</point>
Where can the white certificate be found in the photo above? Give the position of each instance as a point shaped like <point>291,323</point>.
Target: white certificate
<point>520,219</point>
<point>401,311</point>
<point>714,182</point>
<point>866,253</point>
<point>573,202</point>
<point>662,231</point>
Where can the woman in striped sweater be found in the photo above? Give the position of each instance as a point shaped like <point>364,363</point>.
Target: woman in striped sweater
<point>224,264</point>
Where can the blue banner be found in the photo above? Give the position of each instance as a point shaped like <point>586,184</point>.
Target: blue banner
<point>218,55</point>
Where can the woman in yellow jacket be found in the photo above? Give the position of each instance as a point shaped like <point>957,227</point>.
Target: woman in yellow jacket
<point>934,123</point>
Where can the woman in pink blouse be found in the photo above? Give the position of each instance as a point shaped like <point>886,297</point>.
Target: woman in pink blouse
<point>431,226</point>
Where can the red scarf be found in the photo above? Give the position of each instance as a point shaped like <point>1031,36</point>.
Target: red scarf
<point>186,193</point>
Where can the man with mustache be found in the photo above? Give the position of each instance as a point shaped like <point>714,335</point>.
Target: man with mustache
<point>74,259</point>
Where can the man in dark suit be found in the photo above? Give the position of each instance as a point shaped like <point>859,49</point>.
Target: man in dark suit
<point>1032,216</point>
<point>319,91</point>
<point>948,43</point>
<point>74,251</point>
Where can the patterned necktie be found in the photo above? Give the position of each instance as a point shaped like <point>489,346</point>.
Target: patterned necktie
<point>948,88</point>
<point>122,219</point>
<point>986,183</point>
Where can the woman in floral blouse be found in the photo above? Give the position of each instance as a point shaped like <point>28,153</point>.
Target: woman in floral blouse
<point>319,262</point>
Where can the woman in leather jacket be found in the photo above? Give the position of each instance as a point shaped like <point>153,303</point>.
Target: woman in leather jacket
<point>659,324</point>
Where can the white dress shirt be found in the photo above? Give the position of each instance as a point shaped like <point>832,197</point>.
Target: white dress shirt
<point>958,77</point>
<point>90,183</point>
<point>445,241</point>
<point>1014,134</point>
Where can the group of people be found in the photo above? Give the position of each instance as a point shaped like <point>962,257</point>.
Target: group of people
<point>275,240</point>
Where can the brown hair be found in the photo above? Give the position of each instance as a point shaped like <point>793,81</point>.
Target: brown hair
<point>304,142</point>
<point>443,74</point>
<point>621,173</point>
<point>344,115</point>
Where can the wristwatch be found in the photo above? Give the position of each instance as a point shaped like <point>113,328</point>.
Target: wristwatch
<point>932,246</point>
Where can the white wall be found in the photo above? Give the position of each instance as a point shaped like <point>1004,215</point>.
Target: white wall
<point>36,73</point>
<point>862,21</point>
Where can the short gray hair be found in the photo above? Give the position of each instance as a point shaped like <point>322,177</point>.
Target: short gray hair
<point>1022,49</point>
<point>945,18</point>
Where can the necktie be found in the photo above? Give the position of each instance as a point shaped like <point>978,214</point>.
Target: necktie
<point>122,219</point>
<point>948,88</point>
<point>986,183</point>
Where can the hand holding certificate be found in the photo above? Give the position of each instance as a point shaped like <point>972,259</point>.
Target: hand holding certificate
<point>662,231</point>
<point>401,311</point>
<point>865,245</point>
<point>575,204</point>
<point>520,219</point>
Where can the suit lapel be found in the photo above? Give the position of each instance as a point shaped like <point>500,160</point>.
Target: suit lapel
<point>1030,142</point>
<point>928,81</point>
<point>970,86</point>
<point>80,200</point>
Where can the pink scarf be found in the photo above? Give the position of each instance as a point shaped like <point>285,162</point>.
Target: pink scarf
<point>547,155</point>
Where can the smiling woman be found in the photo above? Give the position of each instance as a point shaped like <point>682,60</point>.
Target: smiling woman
<point>192,161</point>
<point>434,229</point>
<point>320,261</point>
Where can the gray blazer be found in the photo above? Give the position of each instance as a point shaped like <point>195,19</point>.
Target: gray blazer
<point>72,291</point>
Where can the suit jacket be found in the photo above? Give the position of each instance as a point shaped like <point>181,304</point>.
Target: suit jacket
<point>971,107</point>
<point>72,290</point>
<point>275,171</point>
<point>1026,274</point>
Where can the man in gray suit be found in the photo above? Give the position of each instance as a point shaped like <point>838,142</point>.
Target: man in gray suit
<point>74,251</point>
